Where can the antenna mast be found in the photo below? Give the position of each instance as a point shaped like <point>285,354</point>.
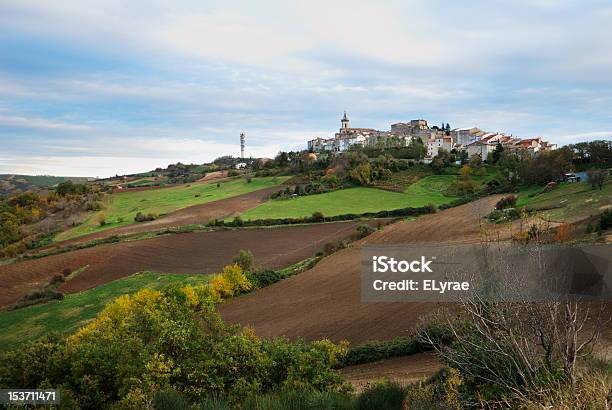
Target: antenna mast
<point>241,145</point>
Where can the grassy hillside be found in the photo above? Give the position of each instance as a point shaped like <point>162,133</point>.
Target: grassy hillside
<point>74,310</point>
<point>10,183</point>
<point>120,208</point>
<point>428,190</point>
<point>568,201</point>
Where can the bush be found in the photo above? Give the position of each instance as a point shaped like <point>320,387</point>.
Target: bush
<point>504,215</point>
<point>605,221</point>
<point>244,259</point>
<point>364,230</point>
<point>382,395</point>
<point>140,217</point>
<point>263,278</point>
<point>37,297</point>
<point>379,350</point>
<point>317,217</point>
<point>93,206</point>
<point>506,202</point>
<point>101,219</point>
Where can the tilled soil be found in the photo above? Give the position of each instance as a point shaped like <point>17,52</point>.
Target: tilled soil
<point>191,253</point>
<point>325,302</point>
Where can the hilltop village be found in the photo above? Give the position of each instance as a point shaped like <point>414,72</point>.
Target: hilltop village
<point>471,140</point>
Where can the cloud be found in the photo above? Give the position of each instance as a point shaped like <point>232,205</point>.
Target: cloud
<point>40,124</point>
<point>584,136</point>
<point>179,80</point>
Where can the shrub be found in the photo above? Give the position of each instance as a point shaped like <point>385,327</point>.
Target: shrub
<point>38,296</point>
<point>244,259</point>
<point>317,217</point>
<point>263,278</point>
<point>382,395</point>
<point>596,178</point>
<point>237,221</point>
<point>379,350</point>
<point>141,217</point>
<point>101,219</point>
<point>364,230</point>
<point>605,221</point>
<point>93,206</point>
<point>506,202</point>
<point>504,215</point>
<point>57,280</point>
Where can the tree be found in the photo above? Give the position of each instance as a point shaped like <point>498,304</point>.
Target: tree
<point>497,153</point>
<point>244,259</point>
<point>282,159</point>
<point>596,178</point>
<point>475,161</point>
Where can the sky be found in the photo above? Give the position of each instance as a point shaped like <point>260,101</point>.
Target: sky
<point>100,88</point>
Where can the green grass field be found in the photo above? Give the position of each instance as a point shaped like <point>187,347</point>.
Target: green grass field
<point>571,201</point>
<point>358,200</point>
<point>120,208</point>
<point>72,312</point>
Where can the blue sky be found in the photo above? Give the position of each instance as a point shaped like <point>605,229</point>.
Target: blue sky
<point>98,88</point>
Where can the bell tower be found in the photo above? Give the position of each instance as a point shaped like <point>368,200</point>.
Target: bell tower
<point>345,122</point>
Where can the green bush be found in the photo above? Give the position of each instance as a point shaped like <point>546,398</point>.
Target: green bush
<point>383,395</point>
<point>506,202</point>
<point>263,278</point>
<point>504,215</point>
<point>378,350</point>
<point>364,230</point>
<point>141,217</point>
<point>605,221</point>
<point>245,260</point>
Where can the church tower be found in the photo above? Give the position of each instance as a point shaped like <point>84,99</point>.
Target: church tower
<point>345,122</point>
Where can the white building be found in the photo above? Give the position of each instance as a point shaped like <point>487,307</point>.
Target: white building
<point>437,143</point>
<point>481,148</point>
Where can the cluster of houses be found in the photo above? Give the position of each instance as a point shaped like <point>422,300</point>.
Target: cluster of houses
<point>472,140</point>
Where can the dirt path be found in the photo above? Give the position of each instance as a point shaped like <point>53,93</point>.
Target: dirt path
<point>192,253</point>
<point>404,370</point>
<point>325,302</point>
<point>197,214</point>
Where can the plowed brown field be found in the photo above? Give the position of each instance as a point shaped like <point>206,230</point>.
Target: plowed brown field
<point>325,302</point>
<point>192,253</point>
<point>404,370</point>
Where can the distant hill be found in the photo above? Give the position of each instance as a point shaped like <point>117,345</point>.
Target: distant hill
<point>12,184</point>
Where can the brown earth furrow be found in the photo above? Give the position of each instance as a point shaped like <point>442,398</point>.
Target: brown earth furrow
<point>325,302</point>
<point>404,370</point>
<point>191,253</point>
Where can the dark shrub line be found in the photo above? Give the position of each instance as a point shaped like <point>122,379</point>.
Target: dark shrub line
<point>318,217</point>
